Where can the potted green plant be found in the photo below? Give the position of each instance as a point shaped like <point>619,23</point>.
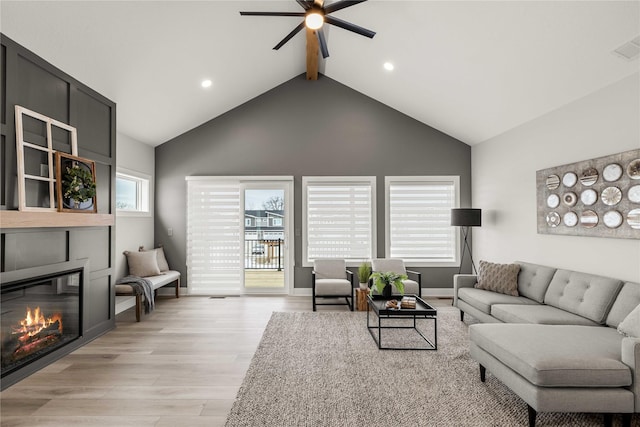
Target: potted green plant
<point>364,273</point>
<point>383,282</point>
<point>78,184</point>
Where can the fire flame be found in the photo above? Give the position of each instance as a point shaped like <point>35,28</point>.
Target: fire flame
<point>36,322</point>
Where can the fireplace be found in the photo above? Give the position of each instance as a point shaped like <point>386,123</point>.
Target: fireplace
<point>40,312</point>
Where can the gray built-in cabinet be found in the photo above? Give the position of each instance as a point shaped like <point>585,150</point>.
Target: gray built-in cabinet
<point>29,81</point>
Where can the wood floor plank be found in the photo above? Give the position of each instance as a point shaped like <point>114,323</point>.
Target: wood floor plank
<point>182,365</point>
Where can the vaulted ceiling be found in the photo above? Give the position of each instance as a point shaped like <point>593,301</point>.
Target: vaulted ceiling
<point>472,69</point>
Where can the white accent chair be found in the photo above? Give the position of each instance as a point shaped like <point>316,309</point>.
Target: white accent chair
<point>329,280</point>
<point>396,265</point>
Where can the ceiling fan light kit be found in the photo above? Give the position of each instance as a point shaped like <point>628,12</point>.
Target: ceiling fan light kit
<point>315,16</point>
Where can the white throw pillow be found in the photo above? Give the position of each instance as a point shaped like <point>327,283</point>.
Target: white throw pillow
<point>630,326</point>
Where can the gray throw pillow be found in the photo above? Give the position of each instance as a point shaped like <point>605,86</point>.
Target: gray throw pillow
<point>501,278</point>
<point>142,264</point>
<point>630,326</point>
<point>163,265</point>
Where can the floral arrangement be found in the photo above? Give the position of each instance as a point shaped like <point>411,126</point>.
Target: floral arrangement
<point>78,183</point>
<point>380,280</point>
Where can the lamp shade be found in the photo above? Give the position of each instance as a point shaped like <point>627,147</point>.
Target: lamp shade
<point>466,217</point>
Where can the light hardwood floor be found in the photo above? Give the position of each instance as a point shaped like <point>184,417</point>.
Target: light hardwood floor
<point>181,366</point>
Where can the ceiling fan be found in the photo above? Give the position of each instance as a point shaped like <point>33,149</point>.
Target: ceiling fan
<point>315,15</point>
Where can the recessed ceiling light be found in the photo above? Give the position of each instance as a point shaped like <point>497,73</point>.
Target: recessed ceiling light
<point>388,66</point>
<point>206,83</point>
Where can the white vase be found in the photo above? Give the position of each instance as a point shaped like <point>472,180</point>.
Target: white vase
<point>364,286</point>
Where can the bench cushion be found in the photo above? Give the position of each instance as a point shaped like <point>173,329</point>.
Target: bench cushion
<point>583,294</point>
<point>157,281</point>
<point>483,300</point>
<point>557,355</point>
<point>540,314</point>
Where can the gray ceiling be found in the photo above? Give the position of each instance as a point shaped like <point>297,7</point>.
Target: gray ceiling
<point>472,69</point>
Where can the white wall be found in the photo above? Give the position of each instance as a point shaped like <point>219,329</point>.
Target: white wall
<point>504,182</point>
<point>132,232</point>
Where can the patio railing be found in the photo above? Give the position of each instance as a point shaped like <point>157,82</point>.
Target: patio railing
<point>263,254</point>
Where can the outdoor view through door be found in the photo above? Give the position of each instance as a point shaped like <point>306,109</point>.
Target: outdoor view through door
<point>264,238</point>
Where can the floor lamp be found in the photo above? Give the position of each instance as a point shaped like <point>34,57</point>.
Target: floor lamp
<point>465,218</point>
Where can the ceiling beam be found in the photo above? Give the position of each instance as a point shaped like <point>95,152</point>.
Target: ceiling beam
<point>312,54</point>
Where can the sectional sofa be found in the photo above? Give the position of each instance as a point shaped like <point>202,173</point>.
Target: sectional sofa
<point>556,343</point>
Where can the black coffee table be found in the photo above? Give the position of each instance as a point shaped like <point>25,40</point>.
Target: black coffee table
<point>391,317</point>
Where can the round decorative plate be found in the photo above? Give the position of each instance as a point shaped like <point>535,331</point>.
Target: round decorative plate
<point>553,181</point>
<point>611,196</point>
<point>553,219</point>
<point>570,219</point>
<point>569,179</point>
<point>589,177</point>
<point>612,219</point>
<point>589,219</point>
<point>612,172</point>
<point>588,197</point>
<point>633,219</point>
<point>569,199</point>
<point>634,194</point>
<point>553,201</point>
<point>633,169</point>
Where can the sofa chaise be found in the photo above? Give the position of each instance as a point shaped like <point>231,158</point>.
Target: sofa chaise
<point>556,344</point>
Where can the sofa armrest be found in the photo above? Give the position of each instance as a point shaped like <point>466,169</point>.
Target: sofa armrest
<point>631,358</point>
<point>462,281</point>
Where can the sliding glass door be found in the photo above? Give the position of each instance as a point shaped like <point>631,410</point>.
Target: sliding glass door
<point>238,235</point>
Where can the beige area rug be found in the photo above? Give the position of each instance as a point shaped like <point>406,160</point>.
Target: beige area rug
<point>324,369</point>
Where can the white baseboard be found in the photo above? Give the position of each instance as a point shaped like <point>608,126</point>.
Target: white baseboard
<point>306,292</point>
<point>426,292</point>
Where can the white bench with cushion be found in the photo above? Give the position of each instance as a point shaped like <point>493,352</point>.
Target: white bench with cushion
<point>153,266</point>
<point>126,298</point>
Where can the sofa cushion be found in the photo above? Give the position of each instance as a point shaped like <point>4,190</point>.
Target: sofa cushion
<point>333,287</point>
<point>410,287</point>
<point>502,278</point>
<point>628,298</point>
<point>483,300</point>
<point>330,268</point>
<point>540,314</point>
<point>163,265</point>
<point>583,294</point>
<point>630,326</point>
<point>533,280</point>
<point>557,355</point>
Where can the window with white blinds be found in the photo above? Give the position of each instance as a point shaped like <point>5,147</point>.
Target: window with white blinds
<point>418,220</point>
<point>338,215</point>
<point>214,260</point>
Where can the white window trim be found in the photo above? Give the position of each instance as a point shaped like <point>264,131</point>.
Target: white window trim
<point>340,180</point>
<point>141,176</point>
<point>388,180</point>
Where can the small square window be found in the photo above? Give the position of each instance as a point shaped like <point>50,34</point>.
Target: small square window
<point>247,222</point>
<point>277,222</point>
<point>132,194</point>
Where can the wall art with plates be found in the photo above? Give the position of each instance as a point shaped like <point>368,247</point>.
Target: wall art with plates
<point>598,197</point>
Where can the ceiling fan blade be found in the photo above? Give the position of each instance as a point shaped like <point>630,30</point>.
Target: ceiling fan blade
<point>272,13</point>
<point>323,43</point>
<point>349,26</point>
<point>341,5</point>
<point>305,4</point>
<point>288,37</point>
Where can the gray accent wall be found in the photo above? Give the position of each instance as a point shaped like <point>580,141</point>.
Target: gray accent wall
<point>305,128</point>
<point>29,81</point>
